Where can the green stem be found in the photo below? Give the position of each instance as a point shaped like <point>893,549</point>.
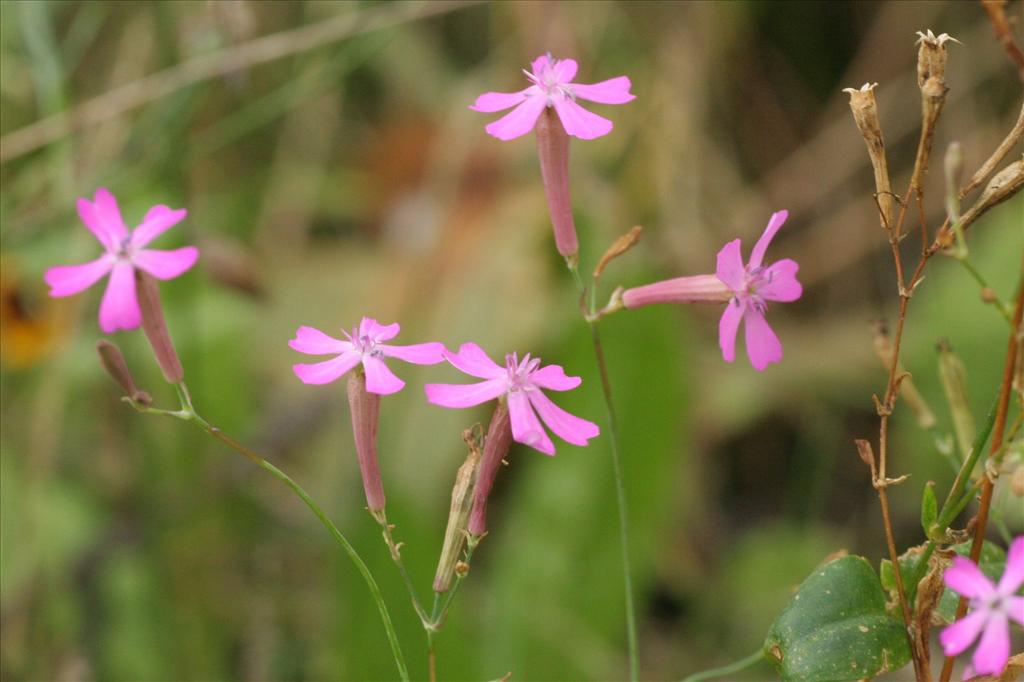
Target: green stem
<point>620,486</point>
<point>381,518</point>
<point>919,571</point>
<point>188,413</point>
<point>727,669</point>
<point>968,466</point>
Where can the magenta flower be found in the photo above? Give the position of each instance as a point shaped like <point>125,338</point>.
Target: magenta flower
<point>521,382</point>
<point>124,253</point>
<point>365,344</point>
<point>747,288</point>
<point>553,87</point>
<point>992,607</point>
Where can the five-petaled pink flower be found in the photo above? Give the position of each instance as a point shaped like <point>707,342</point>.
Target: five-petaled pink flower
<point>120,306</point>
<point>365,344</point>
<point>553,87</point>
<point>753,286</point>
<point>522,383</point>
<point>992,607</point>
<point>745,288</point>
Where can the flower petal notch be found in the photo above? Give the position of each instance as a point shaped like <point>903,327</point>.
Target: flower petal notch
<point>365,344</point>
<point>552,87</point>
<point>125,255</point>
<point>992,606</point>
<point>521,383</point>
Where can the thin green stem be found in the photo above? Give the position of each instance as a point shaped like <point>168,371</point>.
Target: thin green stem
<point>620,486</point>
<point>727,669</point>
<point>919,571</point>
<point>968,466</point>
<point>188,413</point>
<point>441,615</point>
<point>394,548</point>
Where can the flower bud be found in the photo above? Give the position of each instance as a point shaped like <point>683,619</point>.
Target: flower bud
<point>553,148</point>
<point>113,361</point>
<point>155,327</point>
<point>953,376</point>
<point>365,409</point>
<point>865,115</point>
<point>458,516</point>
<point>694,289</point>
<point>496,445</point>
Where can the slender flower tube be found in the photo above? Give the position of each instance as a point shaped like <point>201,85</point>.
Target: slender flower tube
<point>521,386</point>
<point>125,254</point>
<point>992,608</point>
<point>365,345</point>
<point>552,88</point>
<point>155,327</point>
<point>553,149</point>
<point>746,290</point>
<point>365,409</point>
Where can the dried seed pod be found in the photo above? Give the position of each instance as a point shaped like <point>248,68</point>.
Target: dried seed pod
<point>865,115</point>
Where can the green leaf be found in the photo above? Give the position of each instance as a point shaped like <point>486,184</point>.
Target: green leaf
<point>992,563</point>
<point>836,627</point>
<point>929,508</point>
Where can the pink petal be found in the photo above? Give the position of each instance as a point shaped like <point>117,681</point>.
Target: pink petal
<point>105,223</point>
<point>730,268</point>
<point>472,360</point>
<point>612,91</point>
<point>994,648</point>
<point>379,377</point>
<point>564,70</point>
<point>553,377</point>
<point>326,372</point>
<point>957,637</point>
<point>157,221</point>
<point>418,354</point>
<point>519,121</point>
<point>65,280</point>
<point>781,283</point>
<point>119,308</point>
<point>314,342</point>
<point>1013,576</point>
<point>526,428</point>
<point>378,332</point>
<point>774,223</point>
<point>1015,608</point>
<point>727,327</point>
<point>581,123</point>
<point>568,427</point>
<point>166,264</point>
<point>464,395</point>
<point>490,102</point>
<point>539,64</point>
<point>763,346</point>
<point>967,580</point>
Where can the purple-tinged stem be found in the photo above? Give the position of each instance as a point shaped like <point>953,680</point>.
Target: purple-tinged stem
<point>496,445</point>
<point>553,148</point>
<point>155,327</point>
<point>365,409</point>
<point>694,289</point>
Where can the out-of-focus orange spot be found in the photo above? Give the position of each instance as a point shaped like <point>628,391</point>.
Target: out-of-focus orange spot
<point>29,325</point>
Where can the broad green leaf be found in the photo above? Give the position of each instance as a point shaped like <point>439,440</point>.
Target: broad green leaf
<point>836,627</point>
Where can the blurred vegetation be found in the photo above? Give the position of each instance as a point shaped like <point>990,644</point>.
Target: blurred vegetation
<point>351,180</point>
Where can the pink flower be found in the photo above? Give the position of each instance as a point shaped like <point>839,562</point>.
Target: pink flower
<point>992,607</point>
<point>124,253</point>
<point>746,288</point>
<point>521,383</point>
<point>365,344</point>
<point>553,87</point>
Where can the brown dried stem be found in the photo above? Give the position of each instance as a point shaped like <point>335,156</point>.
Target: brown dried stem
<point>997,15</point>
<point>994,451</point>
<point>1012,139</point>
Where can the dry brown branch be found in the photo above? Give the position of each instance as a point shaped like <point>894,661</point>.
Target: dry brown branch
<point>132,95</point>
<point>997,15</point>
<point>1012,139</point>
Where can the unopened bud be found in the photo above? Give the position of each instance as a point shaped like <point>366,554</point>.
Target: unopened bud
<point>553,148</point>
<point>620,246</point>
<point>458,516</point>
<point>113,361</point>
<point>496,445</point>
<point>953,165</point>
<point>865,115</point>
<point>911,396</point>
<point>953,376</point>
<point>365,409</point>
<point>155,327</point>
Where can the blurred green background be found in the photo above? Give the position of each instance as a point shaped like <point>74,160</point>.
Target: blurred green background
<point>350,179</point>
